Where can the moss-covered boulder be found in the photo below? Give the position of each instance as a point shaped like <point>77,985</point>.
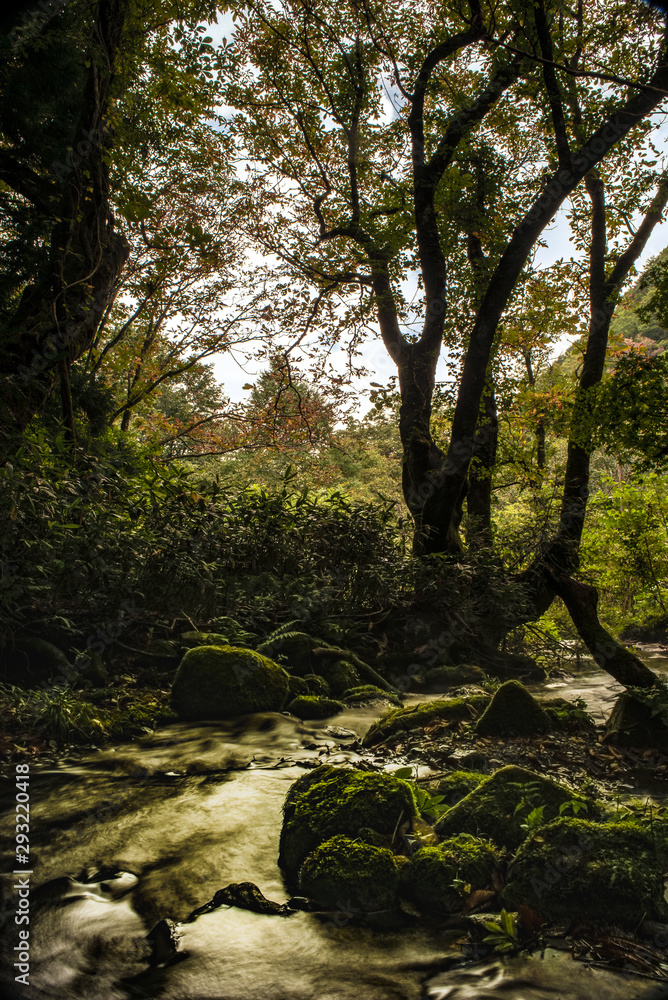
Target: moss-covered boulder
<point>513,711</point>
<point>297,686</point>
<point>317,685</point>
<point>606,872</point>
<point>455,786</point>
<point>339,674</point>
<point>310,706</point>
<point>331,800</point>
<point>365,693</point>
<point>441,679</point>
<point>347,874</point>
<point>431,882</point>
<point>633,724</point>
<point>399,720</point>
<point>218,682</point>
<point>499,806</point>
<point>564,714</point>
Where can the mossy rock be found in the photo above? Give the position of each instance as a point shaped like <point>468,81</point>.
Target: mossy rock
<point>349,875</point>
<point>632,724</point>
<point>430,881</point>
<point>331,800</point>
<point>565,714</point>
<point>365,693</point>
<point>218,682</point>
<point>513,711</point>
<point>317,685</point>
<point>440,679</point>
<point>490,809</point>
<point>607,872</point>
<point>399,720</point>
<point>294,651</point>
<point>297,686</point>
<point>339,674</point>
<point>191,640</point>
<point>309,706</point>
<point>456,786</point>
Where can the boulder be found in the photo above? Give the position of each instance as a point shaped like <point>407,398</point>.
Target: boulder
<point>331,800</point>
<point>607,872</point>
<point>513,711</point>
<point>33,662</point>
<point>498,808</point>
<point>218,682</point>
<point>440,877</point>
<point>399,720</point>
<point>311,706</point>
<point>317,685</point>
<point>365,693</point>
<point>349,875</point>
<point>339,674</point>
<point>297,686</point>
<point>632,724</point>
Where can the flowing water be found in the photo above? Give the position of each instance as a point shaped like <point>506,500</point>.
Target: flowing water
<point>189,810</point>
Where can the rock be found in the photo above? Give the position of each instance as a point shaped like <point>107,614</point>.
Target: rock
<point>366,693</point>
<point>294,651</point>
<point>345,874</point>
<point>314,707</point>
<point>513,711</point>
<point>440,679</point>
<point>330,800</point>
<point>632,724</point>
<point>491,810</point>
<point>418,716</point>
<point>607,872</point>
<point>339,674</point>
<point>164,941</point>
<point>218,682</point>
<point>565,714</point>
<point>297,686</point>
<point>430,882</point>
<point>317,685</point>
<point>456,786</point>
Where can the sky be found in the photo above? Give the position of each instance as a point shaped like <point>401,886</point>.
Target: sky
<point>374,356</point>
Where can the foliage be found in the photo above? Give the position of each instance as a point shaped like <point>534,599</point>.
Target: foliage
<point>504,932</point>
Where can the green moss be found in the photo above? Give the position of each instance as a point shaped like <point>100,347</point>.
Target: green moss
<point>369,692</point>
<point>217,682</point>
<point>456,786</point>
<point>434,871</point>
<point>317,685</point>
<point>329,801</point>
<point>339,674</point>
<point>606,872</point>
<point>445,678</point>
<point>348,874</point>
<point>297,686</point>
<point>499,806</point>
<point>513,711</point>
<point>418,716</point>
<point>565,714</point>
<point>309,706</point>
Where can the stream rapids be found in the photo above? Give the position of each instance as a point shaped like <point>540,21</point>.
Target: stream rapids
<point>184,812</point>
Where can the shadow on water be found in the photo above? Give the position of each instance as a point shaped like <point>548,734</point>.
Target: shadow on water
<point>187,811</point>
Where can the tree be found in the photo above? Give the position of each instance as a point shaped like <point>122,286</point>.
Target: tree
<point>386,142</point>
<point>63,82</point>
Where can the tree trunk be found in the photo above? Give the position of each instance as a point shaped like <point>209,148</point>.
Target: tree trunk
<point>57,317</point>
<point>582,603</point>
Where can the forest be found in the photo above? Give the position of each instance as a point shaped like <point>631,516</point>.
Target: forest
<point>333,380</point>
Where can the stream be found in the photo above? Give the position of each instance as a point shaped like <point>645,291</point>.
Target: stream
<point>191,808</point>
